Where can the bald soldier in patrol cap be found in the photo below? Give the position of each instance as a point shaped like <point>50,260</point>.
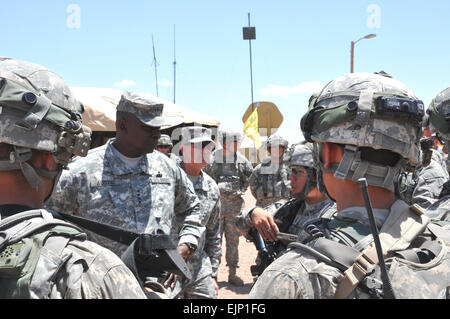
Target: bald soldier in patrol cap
<point>124,183</point>
<point>231,171</point>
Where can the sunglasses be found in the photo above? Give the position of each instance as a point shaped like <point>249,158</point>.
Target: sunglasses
<point>298,172</point>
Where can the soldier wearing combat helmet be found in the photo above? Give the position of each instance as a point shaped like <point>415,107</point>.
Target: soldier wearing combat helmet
<point>363,126</point>
<point>439,115</point>
<point>231,171</point>
<point>269,180</point>
<point>289,216</point>
<point>41,256</point>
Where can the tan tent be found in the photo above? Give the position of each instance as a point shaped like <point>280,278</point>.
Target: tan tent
<point>100,110</point>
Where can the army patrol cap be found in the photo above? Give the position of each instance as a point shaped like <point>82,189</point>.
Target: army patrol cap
<point>196,134</point>
<point>165,140</point>
<point>147,110</point>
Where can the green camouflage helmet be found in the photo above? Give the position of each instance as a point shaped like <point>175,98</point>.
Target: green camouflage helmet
<point>366,110</point>
<point>301,155</point>
<point>439,116</point>
<point>38,111</point>
<point>165,140</point>
<point>277,140</point>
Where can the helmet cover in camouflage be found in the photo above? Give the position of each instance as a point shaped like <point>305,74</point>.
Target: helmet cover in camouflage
<point>38,111</point>
<point>351,110</point>
<point>277,140</point>
<point>165,140</point>
<point>439,114</point>
<point>301,155</point>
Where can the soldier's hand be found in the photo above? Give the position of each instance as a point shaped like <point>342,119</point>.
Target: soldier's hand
<point>171,280</point>
<point>265,224</point>
<point>185,251</point>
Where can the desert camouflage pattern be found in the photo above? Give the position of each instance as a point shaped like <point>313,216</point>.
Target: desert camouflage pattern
<point>206,259</point>
<point>269,182</point>
<point>156,195</point>
<point>299,275</point>
<point>400,137</point>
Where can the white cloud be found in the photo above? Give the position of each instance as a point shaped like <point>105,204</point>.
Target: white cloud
<point>125,83</point>
<point>285,91</point>
<point>165,83</point>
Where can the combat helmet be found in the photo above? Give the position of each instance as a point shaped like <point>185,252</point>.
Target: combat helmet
<point>366,110</point>
<point>277,140</point>
<point>439,117</point>
<point>302,155</point>
<point>165,140</point>
<point>38,111</point>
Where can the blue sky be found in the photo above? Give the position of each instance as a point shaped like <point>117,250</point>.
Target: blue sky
<point>299,47</point>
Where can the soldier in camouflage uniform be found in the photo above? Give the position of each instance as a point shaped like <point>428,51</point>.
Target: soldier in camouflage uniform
<point>196,153</point>
<point>165,146</point>
<point>43,256</point>
<point>231,171</point>
<point>439,112</point>
<point>269,181</point>
<point>359,132</point>
<point>124,183</point>
<point>424,185</point>
<point>290,215</point>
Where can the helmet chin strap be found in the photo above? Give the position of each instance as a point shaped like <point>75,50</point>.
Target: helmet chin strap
<point>18,161</point>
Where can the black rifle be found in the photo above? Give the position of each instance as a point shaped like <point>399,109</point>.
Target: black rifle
<point>387,287</point>
<point>266,252</point>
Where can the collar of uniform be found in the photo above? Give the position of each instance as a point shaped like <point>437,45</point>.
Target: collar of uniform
<point>118,167</point>
<point>360,214</point>
<point>317,206</point>
<point>199,182</point>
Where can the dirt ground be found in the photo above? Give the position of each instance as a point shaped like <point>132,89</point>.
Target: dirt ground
<point>247,255</point>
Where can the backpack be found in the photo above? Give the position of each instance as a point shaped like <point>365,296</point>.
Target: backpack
<point>31,244</point>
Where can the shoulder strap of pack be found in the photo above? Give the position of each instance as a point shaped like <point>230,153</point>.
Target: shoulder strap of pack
<point>401,227</point>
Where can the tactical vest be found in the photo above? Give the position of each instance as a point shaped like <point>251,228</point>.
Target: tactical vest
<point>31,244</point>
<point>421,270</point>
<point>267,183</point>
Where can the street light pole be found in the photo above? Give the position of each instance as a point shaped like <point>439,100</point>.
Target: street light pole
<point>352,49</point>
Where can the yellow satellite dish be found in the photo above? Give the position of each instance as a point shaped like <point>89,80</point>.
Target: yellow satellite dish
<point>269,116</point>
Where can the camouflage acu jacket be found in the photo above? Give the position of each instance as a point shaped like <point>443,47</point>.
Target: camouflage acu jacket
<point>270,180</point>
<point>156,195</point>
<point>67,266</point>
<point>206,258</point>
<point>302,275</point>
<point>231,172</point>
